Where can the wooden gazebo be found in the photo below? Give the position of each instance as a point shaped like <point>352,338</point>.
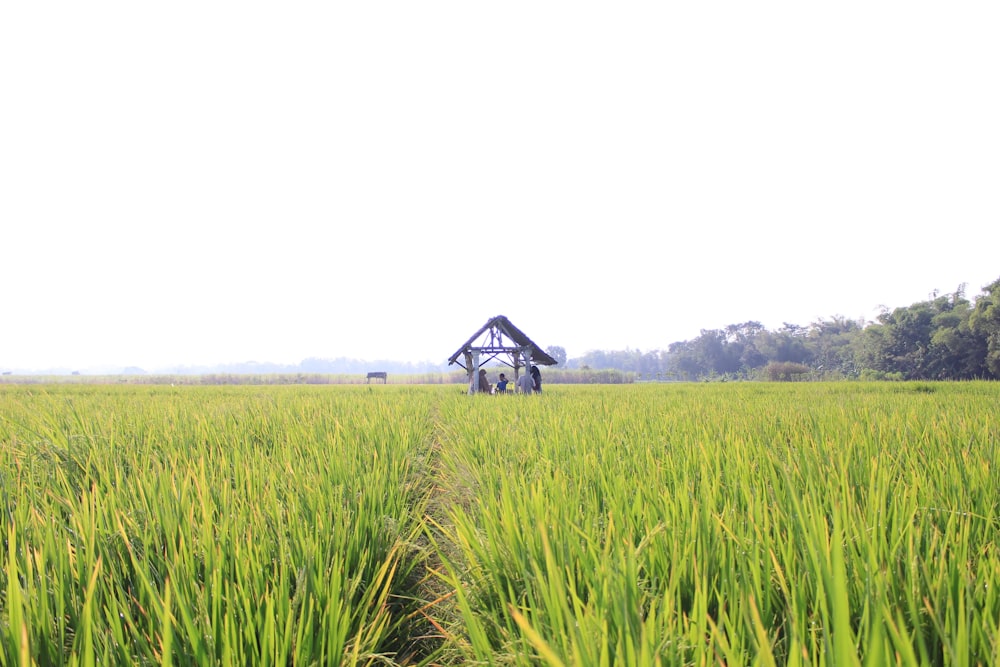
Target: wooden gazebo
<point>499,340</point>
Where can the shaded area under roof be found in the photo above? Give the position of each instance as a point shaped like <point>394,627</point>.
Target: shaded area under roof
<point>491,336</point>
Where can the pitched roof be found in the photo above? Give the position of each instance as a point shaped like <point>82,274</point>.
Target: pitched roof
<point>499,327</point>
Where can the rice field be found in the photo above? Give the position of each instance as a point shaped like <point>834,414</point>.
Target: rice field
<point>681,524</point>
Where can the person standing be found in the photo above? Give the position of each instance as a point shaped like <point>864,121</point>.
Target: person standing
<point>484,384</point>
<point>502,384</point>
<point>536,379</point>
<point>524,384</point>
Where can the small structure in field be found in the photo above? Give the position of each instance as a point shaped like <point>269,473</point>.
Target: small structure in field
<point>377,375</point>
<point>499,340</point>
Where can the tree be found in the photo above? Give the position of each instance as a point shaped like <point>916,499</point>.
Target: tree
<point>785,344</point>
<point>558,353</point>
<point>831,344</point>
<point>945,337</point>
<point>743,340</point>
<point>929,340</point>
<point>984,323</point>
<point>710,353</point>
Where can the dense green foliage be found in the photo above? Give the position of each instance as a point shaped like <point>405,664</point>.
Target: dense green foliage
<point>739,523</point>
<point>944,338</point>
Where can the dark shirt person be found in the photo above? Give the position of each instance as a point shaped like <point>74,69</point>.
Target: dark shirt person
<point>536,379</point>
<point>484,384</point>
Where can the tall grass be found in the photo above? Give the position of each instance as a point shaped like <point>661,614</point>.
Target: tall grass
<point>207,526</point>
<point>740,524</point>
<point>805,524</point>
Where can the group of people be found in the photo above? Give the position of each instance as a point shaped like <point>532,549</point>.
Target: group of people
<point>530,382</point>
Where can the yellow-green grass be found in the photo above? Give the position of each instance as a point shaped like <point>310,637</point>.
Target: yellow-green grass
<point>826,524</point>
<point>727,524</point>
<point>205,525</point>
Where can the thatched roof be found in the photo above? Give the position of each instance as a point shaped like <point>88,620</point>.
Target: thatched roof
<point>491,338</point>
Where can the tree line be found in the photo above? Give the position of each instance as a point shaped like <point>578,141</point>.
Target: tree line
<point>946,337</point>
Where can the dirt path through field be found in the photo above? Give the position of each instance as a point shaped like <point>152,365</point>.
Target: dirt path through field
<point>433,625</point>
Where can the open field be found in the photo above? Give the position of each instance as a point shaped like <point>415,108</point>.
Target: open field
<point>552,376</point>
<point>744,523</point>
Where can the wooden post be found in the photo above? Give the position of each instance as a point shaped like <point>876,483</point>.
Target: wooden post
<point>474,383</point>
<point>520,355</point>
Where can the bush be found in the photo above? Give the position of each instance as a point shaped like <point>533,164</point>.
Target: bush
<point>786,371</point>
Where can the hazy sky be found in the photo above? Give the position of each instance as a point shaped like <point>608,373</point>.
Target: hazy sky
<point>200,182</point>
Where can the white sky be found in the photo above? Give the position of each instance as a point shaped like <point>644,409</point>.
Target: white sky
<point>204,182</point>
